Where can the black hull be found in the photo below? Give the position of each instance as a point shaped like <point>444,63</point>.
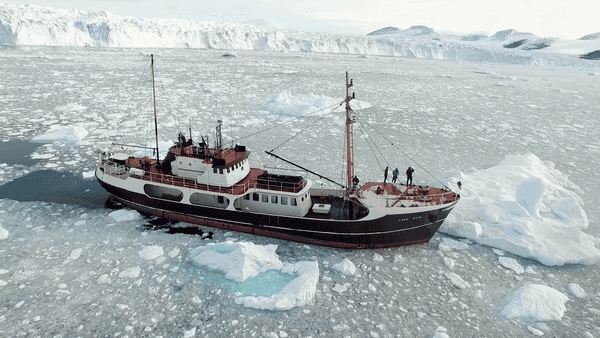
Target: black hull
<point>386,231</point>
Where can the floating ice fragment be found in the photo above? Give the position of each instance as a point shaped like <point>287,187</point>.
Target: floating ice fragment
<point>377,257</point>
<point>498,252</point>
<point>124,215</point>
<point>529,195</point>
<point>174,252</point>
<point>536,303</point>
<point>449,244</point>
<point>449,262</point>
<point>103,279</point>
<point>190,333</point>
<point>339,288</point>
<point>88,174</point>
<point>576,290</point>
<point>345,266</point>
<point>511,263</point>
<point>535,331</point>
<point>151,252</point>
<point>441,332</point>
<point>131,272</point>
<point>3,233</point>
<point>456,280</point>
<point>62,133</point>
<point>2,283</point>
<point>75,254</point>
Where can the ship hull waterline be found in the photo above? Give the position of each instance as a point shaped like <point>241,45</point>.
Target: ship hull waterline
<point>386,231</point>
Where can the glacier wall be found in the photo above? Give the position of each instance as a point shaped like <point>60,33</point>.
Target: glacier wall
<point>34,25</point>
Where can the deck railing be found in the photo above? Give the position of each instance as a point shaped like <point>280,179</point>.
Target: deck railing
<point>121,171</point>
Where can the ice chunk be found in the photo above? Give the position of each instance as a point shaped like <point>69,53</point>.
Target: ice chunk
<point>377,257</point>
<point>441,332</point>
<point>511,263</point>
<point>576,290</point>
<point>131,272</point>
<point>75,253</point>
<point>524,207</point>
<point>174,252</point>
<point>448,244</point>
<point>345,266</point>
<point>239,261</point>
<point>339,288</point>
<point>103,279</point>
<point>535,302</point>
<point>297,293</point>
<point>124,215</point>
<point>151,252</point>
<point>3,233</point>
<point>62,133</point>
<point>456,280</point>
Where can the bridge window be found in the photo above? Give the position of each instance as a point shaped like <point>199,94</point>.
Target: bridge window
<point>220,199</point>
<point>265,198</point>
<point>293,201</point>
<point>221,171</point>
<point>274,199</point>
<point>283,200</point>
<point>255,196</point>
<point>247,197</point>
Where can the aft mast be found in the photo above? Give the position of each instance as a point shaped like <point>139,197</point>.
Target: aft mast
<point>154,100</point>
<point>349,138</point>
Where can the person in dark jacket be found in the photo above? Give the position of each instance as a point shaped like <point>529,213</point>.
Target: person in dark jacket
<point>385,173</point>
<point>395,174</point>
<point>409,173</point>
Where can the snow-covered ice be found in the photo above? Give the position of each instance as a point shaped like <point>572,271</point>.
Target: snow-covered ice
<point>535,302</point>
<point>525,207</point>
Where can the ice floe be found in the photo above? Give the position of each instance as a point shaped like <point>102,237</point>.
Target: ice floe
<point>243,260</point>
<point>62,133</point>
<point>535,302</point>
<point>526,207</point>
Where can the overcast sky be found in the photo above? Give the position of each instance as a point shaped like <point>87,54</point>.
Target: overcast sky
<point>546,18</point>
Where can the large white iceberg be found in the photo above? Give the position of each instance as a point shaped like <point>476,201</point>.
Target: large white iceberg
<point>243,260</point>
<point>526,207</point>
<point>62,133</point>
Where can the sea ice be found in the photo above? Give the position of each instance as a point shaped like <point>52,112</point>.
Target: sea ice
<point>524,207</point>
<point>123,215</point>
<point>512,264</point>
<point>3,233</point>
<point>242,260</point>
<point>62,133</point>
<point>535,302</point>
<point>441,332</point>
<point>151,252</point>
<point>131,272</point>
<point>576,290</point>
<point>345,266</point>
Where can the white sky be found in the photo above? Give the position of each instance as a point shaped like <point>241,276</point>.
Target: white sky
<point>545,18</point>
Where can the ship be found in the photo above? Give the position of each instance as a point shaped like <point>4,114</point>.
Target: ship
<point>216,186</point>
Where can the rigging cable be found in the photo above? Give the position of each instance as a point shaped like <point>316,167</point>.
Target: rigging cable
<point>306,115</point>
<point>405,154</point>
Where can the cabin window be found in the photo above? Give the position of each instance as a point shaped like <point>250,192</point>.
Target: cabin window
<point>255,196</point>
<point>215,170</point>
<point>227,170</point>
<point>302,199</point>
<point>163,192</point>
<point>283,200</point>
<point>293,201</point>
<point>247,197</point>
<point>209,200</point>
<point>220,199</point>
<point>274,199</point>
<point>221,171</point>
<point>265,198</point>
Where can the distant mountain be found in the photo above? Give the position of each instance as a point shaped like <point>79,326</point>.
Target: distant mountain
<point>385,31</point>
<point>473,37</point>
<point>595,36</point>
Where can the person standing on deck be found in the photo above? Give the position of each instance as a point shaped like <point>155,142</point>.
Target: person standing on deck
<point>395,174</point>
<point>409,173</point>
<point>385,173</point>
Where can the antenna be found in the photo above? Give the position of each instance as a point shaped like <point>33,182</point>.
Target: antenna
<point>154,100</point>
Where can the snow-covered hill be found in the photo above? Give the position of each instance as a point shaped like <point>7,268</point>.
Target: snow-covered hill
<point>34,25</point>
